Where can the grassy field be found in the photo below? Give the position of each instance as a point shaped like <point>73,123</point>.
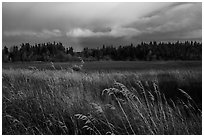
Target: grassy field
<point>110,65</point>
<point>131,98</point>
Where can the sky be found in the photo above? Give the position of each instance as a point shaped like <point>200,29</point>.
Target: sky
<point>93,24</point>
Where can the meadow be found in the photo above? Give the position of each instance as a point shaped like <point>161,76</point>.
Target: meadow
<point>102,98</point>
<point>109,65</point>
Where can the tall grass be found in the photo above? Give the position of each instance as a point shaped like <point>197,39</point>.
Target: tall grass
<point>61,102</point>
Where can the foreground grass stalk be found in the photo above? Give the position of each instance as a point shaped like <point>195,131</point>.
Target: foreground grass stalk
<point>124,114</point>
<point>143,118</point>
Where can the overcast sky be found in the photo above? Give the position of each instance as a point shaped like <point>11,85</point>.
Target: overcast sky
<point>94,24</point>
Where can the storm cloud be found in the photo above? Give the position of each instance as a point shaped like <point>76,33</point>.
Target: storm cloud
<point>94,24</point>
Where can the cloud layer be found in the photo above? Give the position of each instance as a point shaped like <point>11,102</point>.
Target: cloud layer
<point>43,34</point>
<point>89,24</point>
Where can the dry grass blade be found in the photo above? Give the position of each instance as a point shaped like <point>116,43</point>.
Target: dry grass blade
<point>185,94</point>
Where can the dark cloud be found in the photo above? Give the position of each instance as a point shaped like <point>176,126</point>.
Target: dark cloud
<point>102,29</point>
<point>99,41</point>
<point>173,23</point>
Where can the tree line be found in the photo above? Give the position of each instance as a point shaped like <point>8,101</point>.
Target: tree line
<point>187,50</point>
<point>56,52</point>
